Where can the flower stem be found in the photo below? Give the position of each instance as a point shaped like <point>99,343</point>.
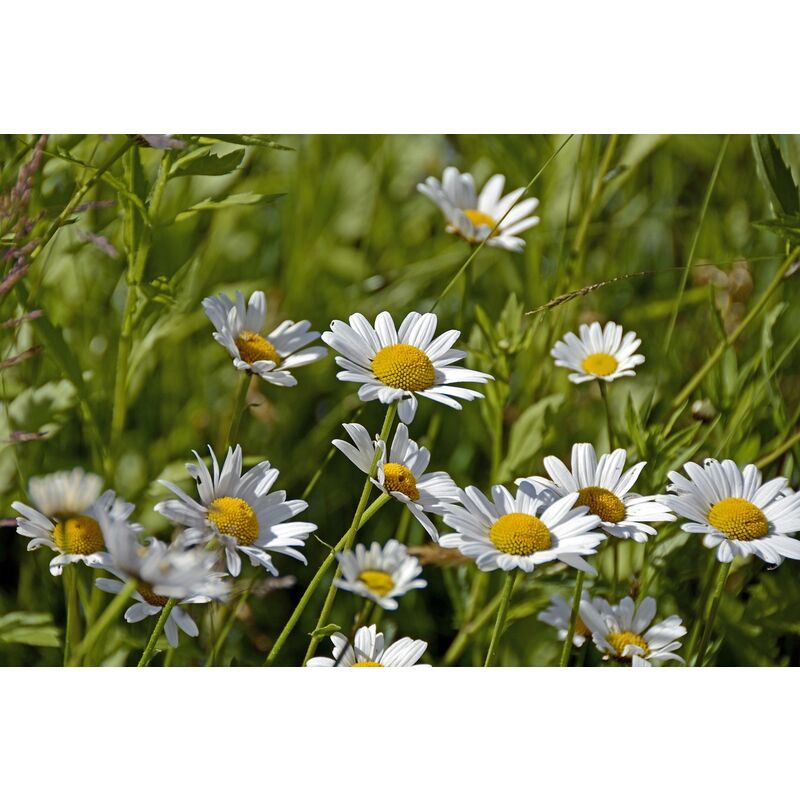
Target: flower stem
<point>147,655</point>
<point>469,628</point>
<point>106,618</point>
<point>502,613</point>
<point>237,409</point>
<point>231,617</point>
<point>612,438</point>
<point>317,579</point>
<point>723,569</point>
<point>72,634</point>
<point>573,620</point>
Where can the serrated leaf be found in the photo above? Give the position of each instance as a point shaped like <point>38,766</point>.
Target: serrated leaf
<point>204,162</point>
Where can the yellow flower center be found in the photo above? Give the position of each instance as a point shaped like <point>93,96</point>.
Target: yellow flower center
<point>397,478</point>
<point>403,366</point>
<point>254,347</point>
<point>78,536</point>
<point>367,664</point>
<point>479,218</point>
<point>605,504</point>
<point>378,582</point>
<point>234,517</point>
<point>146,591</point>
<point>620,640</point>
<point>520,534</point>
<point>738,519</point>
<point>600,364</point>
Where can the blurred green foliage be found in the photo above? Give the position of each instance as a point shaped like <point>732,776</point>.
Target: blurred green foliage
<point>330,225</point>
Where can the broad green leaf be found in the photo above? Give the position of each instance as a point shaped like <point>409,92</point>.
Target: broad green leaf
<point>204,162</point>
<point>776,176</point>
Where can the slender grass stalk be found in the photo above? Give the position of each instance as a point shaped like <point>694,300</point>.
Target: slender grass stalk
<point>237,409</point>
<point>459,644</point>
<point>502,612</point>
<point>612,436</point>
<point>778,451</point>
<point>723,569</point>
<point>72,636</point>
<point>697,625</point>
<point>147,654</point>
<point>112,611</point>
<point>573,619</point>
<point>317,579</point>
<point>230,618</point>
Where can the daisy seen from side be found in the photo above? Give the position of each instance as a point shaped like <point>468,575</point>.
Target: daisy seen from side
<point>369,650</point>
<point>598,353</point>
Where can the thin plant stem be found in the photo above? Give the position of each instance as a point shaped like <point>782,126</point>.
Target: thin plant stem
<point>778,451</point>
<point>356,524</point>
<point>317,579</point>
<point>113,610</point>
<point>612,436</point>
<point>573,619</point>
<point>226,626</point>
<point>615,554</point>
<point>502,613</point>
<point>723,569</point>
<point>459,644</point>
<point>147,654</point>
<point>72,636</point>
<point>237,409</point>
<point>697,626</point>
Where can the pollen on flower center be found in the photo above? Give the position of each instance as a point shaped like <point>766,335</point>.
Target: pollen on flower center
<point>520,534</point>
<point>399,478</point>
<point>378,582</point>
<point>234,517</point>
<point>146,591</point>
<point>403,366</point>
<point>254,347</point>
<point>601,364</point>
<point>621,639</point>
<point>602,502</point>
<point>78,536</point>
<point>479,218</point>
<point>738,519</point>
<point>367,664</point>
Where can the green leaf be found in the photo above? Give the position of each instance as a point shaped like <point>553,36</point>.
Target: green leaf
<point>204,162</point>
<point>243,199</point>
<point>527,435</point>
<point>776,176</point>
<point>29,627</point>
<point>254,139</point>
<point>784,225</point>
<point>325,630</point>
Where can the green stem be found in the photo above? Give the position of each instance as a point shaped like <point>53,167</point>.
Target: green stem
<point>356,524</point>
<point>459,644</point>
<point>502,613</point>
<point>237,409</point>
<point>232,616</point>
<point>147,655</point>
<point>72,635</point>
<point>723,569</point>
<point>106,618</point>
<point>612,437</point>
<point>778,451</point>
<point>317,579</point>
<point>573,620</point>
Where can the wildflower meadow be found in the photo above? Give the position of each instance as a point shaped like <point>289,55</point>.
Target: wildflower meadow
<point>392,401</point>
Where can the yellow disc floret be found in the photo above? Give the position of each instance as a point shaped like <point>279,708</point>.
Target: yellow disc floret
<point>78,536</point>
<point>367,664</point>
<point>601,364</point>
<point>738,519</point>
<point>234,517</point>
<point>602,502</point>
<point>520,534</point>
<point>399,478</point>
<point>146,591</point>
<point>619,640</point>
<point>480,218</point>
<point>403,366</point>
<point>378,582</point>
<point>254,347</point>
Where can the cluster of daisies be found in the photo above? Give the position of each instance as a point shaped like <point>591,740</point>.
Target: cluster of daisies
<point>562,517</point>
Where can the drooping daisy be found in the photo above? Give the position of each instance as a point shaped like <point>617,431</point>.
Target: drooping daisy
<point>557,615</point>
<point>65,516</point>
<point>474,216</point>
<point>605,489</point>
<point>271,356</point>
<point>239,511</point>
<point>401,364</point>
<point>626,636</point>
<point>161,573</point>
<point>381,573</point>
<point>368,650</point>
<point>736,512</point>
<point>402,473</point>
<point>600,353</point>
<point>532,528</point>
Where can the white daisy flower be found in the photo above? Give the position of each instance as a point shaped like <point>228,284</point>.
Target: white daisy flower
<point>368,650</point>
<point>65,516</point>
<point>601,353</point>
<point>532,528</point>
<point>474,216</point>
<point>402,473</point>
<point>627,636</point>
<point>605,489</point>
<point>381,573</point>
<point>161,573</point>
<point>401,364</point>
<point>557,615</point>
<point>738,514</point>
<point>271,356</point>
<point>239,511</point>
